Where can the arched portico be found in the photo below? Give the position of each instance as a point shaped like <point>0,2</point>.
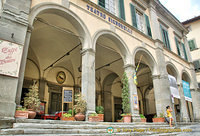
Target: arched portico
<point>57,28</point>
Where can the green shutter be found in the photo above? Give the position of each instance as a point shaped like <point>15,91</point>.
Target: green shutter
<point>102,3</point>
<point>167,40</point>
<point>148,25</point>
<point>133,14</point>
<point>121,9</point>
<point>191,44</point>
<point>177,46</point>
<point>162,33</point>
<point>184,51</point>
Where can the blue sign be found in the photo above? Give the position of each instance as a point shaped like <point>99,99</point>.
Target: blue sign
<point>186,90</point>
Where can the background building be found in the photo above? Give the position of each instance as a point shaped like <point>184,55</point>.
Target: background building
<point>88,45</point>
<point>193,36</point>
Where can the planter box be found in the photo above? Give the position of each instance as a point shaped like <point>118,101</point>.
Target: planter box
<point>158,119</point>
<point>127,118</point>
<point>143,120</point>
<point>101,117</point>
<point>67,118</point>
<point>21,114</point>
<point>93,118</point>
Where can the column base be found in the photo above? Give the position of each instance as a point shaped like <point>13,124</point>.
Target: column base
<point>88,113</point>
<point>7,109</point>
<point>6,122</point>
<point>136,118</point>
<point>185,119</point>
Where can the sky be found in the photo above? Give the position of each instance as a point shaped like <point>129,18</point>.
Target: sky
<point>183,9</point>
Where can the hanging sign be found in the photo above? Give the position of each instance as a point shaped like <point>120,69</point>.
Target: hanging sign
<point>186,90</point>
<point>10,58</point>
<point>173,87</point>
<point>135,102</point>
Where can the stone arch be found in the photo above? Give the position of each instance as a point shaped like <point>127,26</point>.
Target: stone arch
<point>150,61</point>
<point>37,67</point>
<point>121,48</point>
<point>109,79</point>
<point>84,34</point>
<point>186,76</point>
<point>174,71</point>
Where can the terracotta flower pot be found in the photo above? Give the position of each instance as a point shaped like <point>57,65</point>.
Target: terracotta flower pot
<point>68,118</point>
<point>80,117</point>
<point>158,119</point>
<point>127,118</point>
<point>101,117</point>
<point>31,114</point>
<point>21,114</point>
<point>143,120</point>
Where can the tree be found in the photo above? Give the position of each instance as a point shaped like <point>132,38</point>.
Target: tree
<point>125,94</point>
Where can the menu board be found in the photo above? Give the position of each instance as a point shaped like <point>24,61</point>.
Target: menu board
<point>67,96</point>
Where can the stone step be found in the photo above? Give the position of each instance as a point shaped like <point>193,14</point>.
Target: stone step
<point>81,122</point>
<point>83,126</point>
<point>71,132</point>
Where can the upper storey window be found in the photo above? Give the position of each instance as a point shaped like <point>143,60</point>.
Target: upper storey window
<point>181,49</point>
<point>165,37</point>
<point>115,7</point>
<point>192,44</point>
<point>140,20</point>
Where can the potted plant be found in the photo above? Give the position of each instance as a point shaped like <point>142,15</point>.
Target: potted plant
<point>93,117</point>
<point>159,118</point>
<point>143,119</point>
<point>21,112</point>
<point>80,107</point>
<point>125,99</point>
<point>100,112</point>
<point>32,101</point>
<point>67,117</point>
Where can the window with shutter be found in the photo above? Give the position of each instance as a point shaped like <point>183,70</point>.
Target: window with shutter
<point>121,9</point>
<point>192,45</point>
<point>102,3</point>
<point>165,37</point>
<point>148,28</point>
<point>196,65</point>
<point>109,5</point>
<point>178,46</point>
<point>133,14</point>
<point>185,53</point>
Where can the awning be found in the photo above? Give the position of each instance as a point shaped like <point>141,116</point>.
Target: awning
<point>173,87</point>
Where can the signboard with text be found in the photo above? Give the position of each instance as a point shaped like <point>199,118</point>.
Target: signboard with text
<point>186,90</point>
<point>10,58</point>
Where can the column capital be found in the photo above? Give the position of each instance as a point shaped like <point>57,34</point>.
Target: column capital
<point>155,77</point>
<point>90,50</point>
<point>129,66</point>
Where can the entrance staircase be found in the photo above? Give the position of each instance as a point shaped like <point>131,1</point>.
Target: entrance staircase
<point>33,127</point>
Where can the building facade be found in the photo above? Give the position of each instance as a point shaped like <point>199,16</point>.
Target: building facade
<point>87,45</point>
<point>193,37</point>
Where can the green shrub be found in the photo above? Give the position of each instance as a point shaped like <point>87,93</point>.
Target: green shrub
<point>67,115</point>
<point>99,109</point>
<point>93,114</point>
<point>142,116</point>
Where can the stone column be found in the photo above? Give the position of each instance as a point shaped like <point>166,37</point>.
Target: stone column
<point>88,79</point>
<point>13,28</point>
<point>196,104</point>
<point>183,108</point>
<point>130,69</point>
<point>161,82</point>
<point>23,66</point>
